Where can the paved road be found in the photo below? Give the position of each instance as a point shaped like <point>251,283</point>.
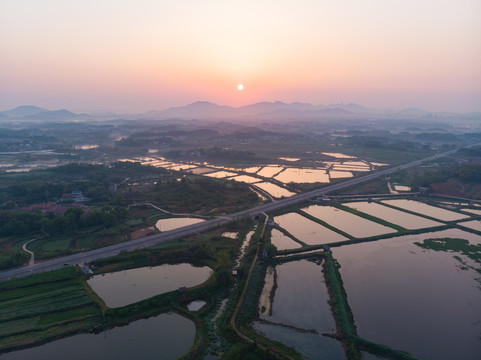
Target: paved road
<point>200,227</point>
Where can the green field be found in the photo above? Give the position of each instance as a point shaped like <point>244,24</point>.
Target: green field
<point>36,308</point>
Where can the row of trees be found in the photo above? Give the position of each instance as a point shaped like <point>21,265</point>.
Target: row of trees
<point>22,222</point>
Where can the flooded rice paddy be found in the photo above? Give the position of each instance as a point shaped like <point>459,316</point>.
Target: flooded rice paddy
<point>166,336</point>
<point>129,286</point>
<point>307,231</point>
<point>351,168</point>
<point>282,241</point>
<point>274,190</point>
<point>182,167</point>
<point>270,171</point>
<point>421,301</point>
<point>289,159</point>
<point>221,174</point>
<point>339,155</point>
<point>352,224</point>
<point>297,175</point>
<point>334,174</point>
<point>324,172</point>
<point>175,223</point>
<point>473,224</point>
<point>472,211</point>
<point>402,188</point>
<point>397,217</point>
<point>429,210</point>
<point>252,169</point>
<point>246,178</point>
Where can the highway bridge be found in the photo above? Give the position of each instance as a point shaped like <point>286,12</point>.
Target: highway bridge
<point>151,240</point>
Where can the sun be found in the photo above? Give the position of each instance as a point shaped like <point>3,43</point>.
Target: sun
<point>240,87</point>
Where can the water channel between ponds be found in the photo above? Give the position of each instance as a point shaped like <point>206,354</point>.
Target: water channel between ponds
<point>166,337</point>
<point>129,286</point>
<point>421,301</point>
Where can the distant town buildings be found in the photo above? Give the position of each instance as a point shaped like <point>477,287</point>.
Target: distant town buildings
<point>45,208</point>
<point>75,196</point>
<point>51,207</point>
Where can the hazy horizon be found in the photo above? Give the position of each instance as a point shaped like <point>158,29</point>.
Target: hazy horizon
<point>130,57</point>
<point>237,107</point>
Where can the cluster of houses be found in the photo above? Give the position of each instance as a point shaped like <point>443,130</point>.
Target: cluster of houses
<point>59,209</point>
<point>75,196</point>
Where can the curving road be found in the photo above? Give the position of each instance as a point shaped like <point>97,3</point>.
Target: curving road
<point>151,240</point>
<point>32,255</point>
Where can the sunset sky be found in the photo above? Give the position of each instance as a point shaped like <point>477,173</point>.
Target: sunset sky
<point>134,56</point>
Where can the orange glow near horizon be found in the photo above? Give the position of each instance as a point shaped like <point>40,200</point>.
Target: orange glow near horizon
<point>158,54</point>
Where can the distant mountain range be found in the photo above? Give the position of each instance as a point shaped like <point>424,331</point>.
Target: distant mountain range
<point>36,113</point>
<point>278,109</point>
<point>204,110</point>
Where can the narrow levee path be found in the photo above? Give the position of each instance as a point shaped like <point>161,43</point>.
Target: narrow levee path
<point>168,212</point>
<point>241,301</point>
<point>32,255</point>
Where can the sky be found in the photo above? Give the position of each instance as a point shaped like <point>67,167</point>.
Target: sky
<point>139,55</point>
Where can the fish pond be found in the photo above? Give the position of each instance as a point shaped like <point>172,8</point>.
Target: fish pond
<point>269,171</point>
<point>298,175</point>
<point>473,224</point>
<point>472,211</point>
<point>334,174</point>
<point>166,336</point>
<point>398,217</point>
<point>301,298</point>
<point>175,223</point>
<point>307,231</point>
<point>246,178</point>
<point>418,293</point>
<point>221,174</point>
<point>429,210</point>
<point>274,190</point>
<point>125,287</point>
<point>282,241</point>
<point>298,313</point>
<point>352,224</point>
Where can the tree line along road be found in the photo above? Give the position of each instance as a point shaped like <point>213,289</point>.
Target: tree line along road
<point>151,240</point>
